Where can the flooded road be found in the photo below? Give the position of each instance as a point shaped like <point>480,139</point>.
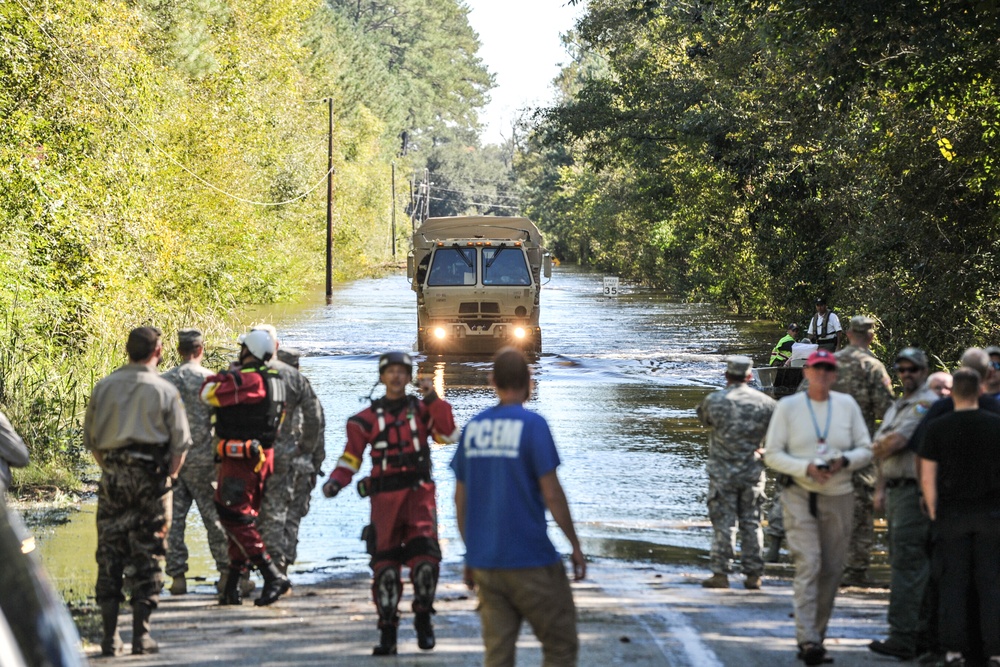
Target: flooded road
<point>618,381</point>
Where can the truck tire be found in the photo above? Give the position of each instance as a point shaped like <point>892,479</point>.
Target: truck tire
<point>537,347</point>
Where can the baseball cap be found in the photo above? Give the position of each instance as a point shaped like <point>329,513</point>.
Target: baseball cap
<point>738,365</point>
<point>914,355</point>
<point>820,357</point>
<point>792,327</point>
<point>861,324</point>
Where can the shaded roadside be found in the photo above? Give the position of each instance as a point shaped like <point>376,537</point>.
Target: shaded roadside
<point>630,614</point>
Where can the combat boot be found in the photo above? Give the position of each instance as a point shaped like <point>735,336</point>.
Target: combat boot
<point>773,554</point>
<point>230,582</point>
<point>247,584</point>
<point>387,642</point>
<point>425,630</point>
<point>142,643</point>
<point>716,581</point>
<point>752,582</point>
<point>275,583</point>
<point>178,586</point>
<point>111,644</point>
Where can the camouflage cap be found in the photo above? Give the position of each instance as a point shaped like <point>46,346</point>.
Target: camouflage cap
<point>993,349</point>
<point>190,338</point>
<point>861,324</point>
<point>289,355</point>
<point>738,365</point>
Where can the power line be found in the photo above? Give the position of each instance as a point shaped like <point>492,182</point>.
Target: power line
<point>145,135</point>
<point>477,203</point>
<point>475,194</point>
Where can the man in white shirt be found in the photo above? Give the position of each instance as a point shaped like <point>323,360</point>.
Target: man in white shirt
<point>824,327</point>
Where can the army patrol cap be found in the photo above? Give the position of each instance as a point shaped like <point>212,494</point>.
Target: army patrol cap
<point>914,355</point>
<point>993,349</point>
<point>738,366</point>
<point>190,339</point>
<point>861,324</point>
<point>289,355</point>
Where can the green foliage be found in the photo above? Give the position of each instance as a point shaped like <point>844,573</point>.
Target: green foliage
<point>163,163</point>
<point>760,154</point>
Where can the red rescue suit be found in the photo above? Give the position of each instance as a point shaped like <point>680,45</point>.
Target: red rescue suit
<point>403,526</point>
<point>249,407</point>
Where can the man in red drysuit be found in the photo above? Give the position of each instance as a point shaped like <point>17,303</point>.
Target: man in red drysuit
<point>403,526</point>
<point>249,402</point>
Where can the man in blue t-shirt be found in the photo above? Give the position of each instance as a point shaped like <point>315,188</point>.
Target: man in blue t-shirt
<point>505,470</point>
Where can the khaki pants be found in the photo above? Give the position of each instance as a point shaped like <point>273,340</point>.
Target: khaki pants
<point>543,596</point>
<point>819,549</point>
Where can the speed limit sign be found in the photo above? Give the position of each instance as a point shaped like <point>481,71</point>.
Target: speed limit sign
<point>610,285</point>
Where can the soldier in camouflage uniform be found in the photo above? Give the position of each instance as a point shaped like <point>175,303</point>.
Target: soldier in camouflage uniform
<point>137,430</point>
<point>865,378</point>
<point>198,474</point>
<point>305,467</point>
<point>738,416</point>
<point>300,435</point>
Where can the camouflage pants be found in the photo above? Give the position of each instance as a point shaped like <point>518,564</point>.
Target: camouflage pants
<point>776,519</point>
<point>859,553</point>
<point>274,508</point>
<point>133,516</point>
<point>195,486</point>
<point>303,483</point>
<point>731,504</point>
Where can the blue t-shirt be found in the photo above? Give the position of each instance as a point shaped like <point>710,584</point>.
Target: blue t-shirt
<point>501,455</point>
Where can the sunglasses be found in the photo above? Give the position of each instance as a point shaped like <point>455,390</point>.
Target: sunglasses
<point>906,369</point>
<point>824,367</point>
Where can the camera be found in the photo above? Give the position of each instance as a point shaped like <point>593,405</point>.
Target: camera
<point>821,464</point>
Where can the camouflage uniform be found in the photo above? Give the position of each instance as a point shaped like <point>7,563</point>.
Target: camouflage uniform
<point>197,475</point>
<point>300,435</point>
<point>864,377</point>
<point>739,416</point>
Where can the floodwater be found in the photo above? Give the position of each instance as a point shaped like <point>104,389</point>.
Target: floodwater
<point>618,381</point>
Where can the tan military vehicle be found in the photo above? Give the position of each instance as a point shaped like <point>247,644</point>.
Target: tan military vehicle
<point>477,280</point>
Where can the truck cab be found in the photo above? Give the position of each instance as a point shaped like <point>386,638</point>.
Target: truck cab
<point>477,281</point>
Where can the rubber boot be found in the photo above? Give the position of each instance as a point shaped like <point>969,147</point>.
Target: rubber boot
<point>142,643</point>
<point>111,644</point>
<point>231,593</point>
<point>275,583</point>
<point>387,642</point>
<point>773,551</point>
<point>425,630</point>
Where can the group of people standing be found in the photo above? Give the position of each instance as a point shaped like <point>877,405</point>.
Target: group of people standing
<point>844,446</point>
<point>246,444</point>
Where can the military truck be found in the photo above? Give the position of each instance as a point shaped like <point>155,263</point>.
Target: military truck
<point>478,280</point>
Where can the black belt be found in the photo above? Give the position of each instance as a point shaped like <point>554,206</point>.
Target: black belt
<point>902,481</point>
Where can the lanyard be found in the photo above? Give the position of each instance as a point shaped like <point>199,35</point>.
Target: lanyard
<point>821,437</point>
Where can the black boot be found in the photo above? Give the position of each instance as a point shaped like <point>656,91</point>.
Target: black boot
<point>425,630</point>
<point>111,644</point>
<point>387,642</point>
<point>275,583</point>
<point>231,593</point>
<point>142,643</point>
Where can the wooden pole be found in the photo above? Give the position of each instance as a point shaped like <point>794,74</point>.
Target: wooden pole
<point>393,205</point>
<point>329,207</point>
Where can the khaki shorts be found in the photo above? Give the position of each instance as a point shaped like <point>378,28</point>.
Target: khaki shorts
<point>543,596</point>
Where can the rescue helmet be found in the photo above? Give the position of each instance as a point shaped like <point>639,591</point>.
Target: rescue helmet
<point>395,358</point>
<point>260,344</point>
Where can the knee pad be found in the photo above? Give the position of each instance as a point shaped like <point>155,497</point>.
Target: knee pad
<point>424,576</point>
<point>387,587</point>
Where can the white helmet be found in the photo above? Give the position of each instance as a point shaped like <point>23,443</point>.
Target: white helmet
<point>260,344</point>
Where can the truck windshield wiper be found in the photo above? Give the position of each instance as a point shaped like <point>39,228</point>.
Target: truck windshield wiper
<point>494,258</point>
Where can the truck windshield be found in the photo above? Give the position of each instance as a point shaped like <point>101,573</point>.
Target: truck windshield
<point>505,266</point>
<point>453,266</point>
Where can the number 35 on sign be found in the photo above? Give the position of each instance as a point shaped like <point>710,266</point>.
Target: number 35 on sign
<point>610,285</point>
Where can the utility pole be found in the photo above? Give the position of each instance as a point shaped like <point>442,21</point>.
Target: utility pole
<point>393,208</point>
<point>329,207</point>
<point>427,195</point>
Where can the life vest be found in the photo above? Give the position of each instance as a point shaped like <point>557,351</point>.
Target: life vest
<point>820,330</point>
<point>404,453</point>
<point>782,351</point>
<point>256,419</point>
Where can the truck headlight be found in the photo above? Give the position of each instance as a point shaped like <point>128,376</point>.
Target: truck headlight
<point>519,332</point>
<point>440,333</point>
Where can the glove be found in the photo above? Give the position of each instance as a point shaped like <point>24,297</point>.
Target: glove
<point>331,488</point>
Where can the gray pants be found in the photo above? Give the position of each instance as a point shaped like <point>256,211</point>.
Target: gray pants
<point>909,538</point>
<point>818,545</point>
